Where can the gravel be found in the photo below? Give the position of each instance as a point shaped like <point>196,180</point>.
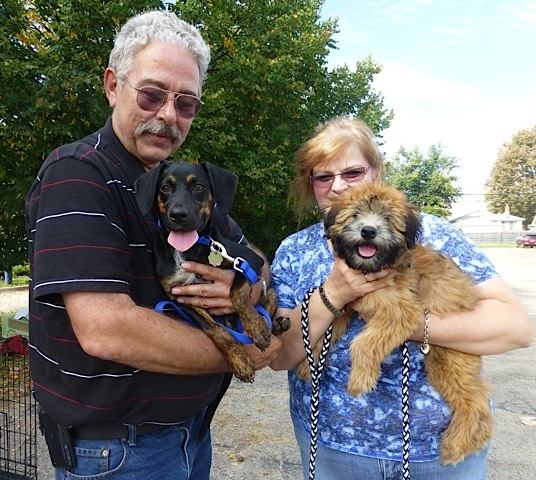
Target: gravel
<point>13,298</point>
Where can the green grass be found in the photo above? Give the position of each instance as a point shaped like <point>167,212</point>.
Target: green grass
<point>22,280</point>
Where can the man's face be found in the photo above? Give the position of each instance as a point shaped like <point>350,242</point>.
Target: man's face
<point>159,65</point>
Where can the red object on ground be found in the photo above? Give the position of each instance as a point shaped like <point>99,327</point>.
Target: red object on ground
<point>14,345</point>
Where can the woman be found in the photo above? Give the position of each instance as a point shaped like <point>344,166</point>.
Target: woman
<point>360,437</point>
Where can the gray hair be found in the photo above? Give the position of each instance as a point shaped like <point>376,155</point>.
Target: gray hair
<point>162,26</point>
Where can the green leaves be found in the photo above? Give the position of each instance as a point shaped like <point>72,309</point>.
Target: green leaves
<point>513,177</point>
<point>53,57</point>
<point>428,181</point>
<point>268,87</point>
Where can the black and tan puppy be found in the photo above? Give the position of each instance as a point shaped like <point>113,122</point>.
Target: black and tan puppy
<point>186,195</point>
<point>371,227</point>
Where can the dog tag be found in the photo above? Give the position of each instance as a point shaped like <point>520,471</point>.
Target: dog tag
<point>215,259</point>
<point>425,348</point>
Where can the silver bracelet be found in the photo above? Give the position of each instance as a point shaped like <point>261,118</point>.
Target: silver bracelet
<point>425,346</point>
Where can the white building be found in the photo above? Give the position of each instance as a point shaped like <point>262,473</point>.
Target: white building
<point>482,221</point>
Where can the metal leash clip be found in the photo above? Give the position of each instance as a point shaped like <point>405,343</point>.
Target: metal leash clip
<point>218,253</point>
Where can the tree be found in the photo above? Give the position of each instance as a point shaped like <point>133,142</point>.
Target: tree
<point>512,181</point>
<point>53,57</point>
<point>428,181</point>
<point>268,87</point>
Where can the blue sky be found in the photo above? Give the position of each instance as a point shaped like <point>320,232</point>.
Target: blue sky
<point>457,72</point>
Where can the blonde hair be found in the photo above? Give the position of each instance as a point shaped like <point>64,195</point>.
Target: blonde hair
<point>328,142</point>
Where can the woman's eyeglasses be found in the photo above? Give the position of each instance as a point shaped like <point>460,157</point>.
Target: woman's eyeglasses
<point>152,99</point>
<point>325,180</point>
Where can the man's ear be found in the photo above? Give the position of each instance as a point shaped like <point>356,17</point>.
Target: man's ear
<point>223,184</point>
<point>110,86</point>
<point>145,186</point>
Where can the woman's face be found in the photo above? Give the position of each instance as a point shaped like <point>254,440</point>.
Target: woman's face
<point>347,169</point>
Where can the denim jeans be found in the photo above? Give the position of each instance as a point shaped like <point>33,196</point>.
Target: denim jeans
<point>174,453</point>
<point>336,465</point>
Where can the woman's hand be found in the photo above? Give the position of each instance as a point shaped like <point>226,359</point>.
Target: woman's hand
<point>345,285</point>
<point>214,296</point>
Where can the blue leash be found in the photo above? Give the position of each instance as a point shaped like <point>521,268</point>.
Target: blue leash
<point>240,265</point>
<point>238,334</point>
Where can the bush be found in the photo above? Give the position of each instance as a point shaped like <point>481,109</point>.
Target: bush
<point>20,280</point>
<point>19,275</point>
<point>21,270</point>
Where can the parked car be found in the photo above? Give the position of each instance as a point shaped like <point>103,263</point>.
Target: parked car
<point>527,240</point>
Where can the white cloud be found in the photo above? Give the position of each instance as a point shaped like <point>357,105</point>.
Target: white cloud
<point>402,81</point>
<point>471,125</point>
<point>528,13</point>
<point>455,73</point>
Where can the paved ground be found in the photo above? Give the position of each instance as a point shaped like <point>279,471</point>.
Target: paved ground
<point>253,436</point>
<point>513,454</point>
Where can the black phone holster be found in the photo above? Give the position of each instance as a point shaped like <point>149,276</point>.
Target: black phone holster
<point>58,440</point>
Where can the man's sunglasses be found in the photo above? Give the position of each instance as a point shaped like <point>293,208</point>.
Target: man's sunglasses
<point>349,176</point>
<point>152,99</point>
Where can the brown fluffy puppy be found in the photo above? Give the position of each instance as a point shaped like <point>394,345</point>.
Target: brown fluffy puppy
<point>371,227</point>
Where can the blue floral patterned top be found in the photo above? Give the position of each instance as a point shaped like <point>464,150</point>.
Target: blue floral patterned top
<point>369,425</point>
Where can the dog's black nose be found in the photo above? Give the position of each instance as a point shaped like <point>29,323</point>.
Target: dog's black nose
<point>178,214</point>
<point>368,232</point>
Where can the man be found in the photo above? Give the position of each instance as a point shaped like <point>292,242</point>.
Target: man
<point>123,390</point>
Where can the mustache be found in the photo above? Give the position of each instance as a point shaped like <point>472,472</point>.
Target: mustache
<point>158,128</point>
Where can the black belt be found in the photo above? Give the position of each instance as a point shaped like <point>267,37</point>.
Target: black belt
<point>111,430</point>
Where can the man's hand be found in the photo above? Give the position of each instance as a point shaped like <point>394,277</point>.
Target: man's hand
<point>214,296</point>
<point>263,359</point>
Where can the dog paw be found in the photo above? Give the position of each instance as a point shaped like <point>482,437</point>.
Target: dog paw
<point>280,325</point>
<point>262,339</point>
<point>244,370</point>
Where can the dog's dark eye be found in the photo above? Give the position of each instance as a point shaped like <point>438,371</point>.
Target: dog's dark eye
<point>199,187</point>
<point>165,189</point>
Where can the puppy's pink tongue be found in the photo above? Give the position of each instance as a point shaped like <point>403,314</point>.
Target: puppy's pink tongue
<point>366,250</point>
<point>182,241</point>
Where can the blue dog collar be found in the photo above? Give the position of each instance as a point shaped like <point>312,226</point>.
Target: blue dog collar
<point>238,334</point>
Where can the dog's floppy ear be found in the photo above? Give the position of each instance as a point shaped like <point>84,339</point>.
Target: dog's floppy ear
<point>330,217</point>
<point>223,184</point>
<point>145,186</point>
<point>413,227</point>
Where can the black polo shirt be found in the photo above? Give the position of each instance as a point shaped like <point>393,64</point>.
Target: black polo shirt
<point>86,234</point>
